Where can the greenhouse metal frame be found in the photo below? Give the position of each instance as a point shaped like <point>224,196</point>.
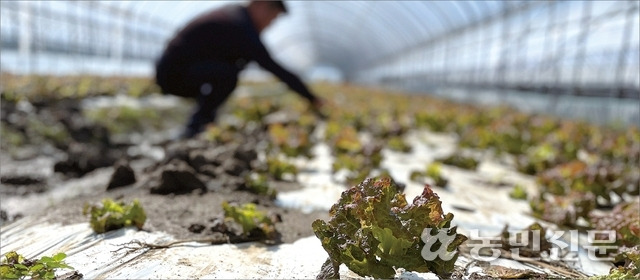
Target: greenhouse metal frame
<point>559,47</point>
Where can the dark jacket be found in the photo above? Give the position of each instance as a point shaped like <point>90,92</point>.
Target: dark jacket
<point>227,37</point>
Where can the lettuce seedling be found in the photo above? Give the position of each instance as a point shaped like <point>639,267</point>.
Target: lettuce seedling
<point>252,220</point>
<point>435,121</point>
<point>398,144</point>
<point>373,230</point>
<point>111,215</point>
<point>258,183</point>
<point>518,192</point>
<point>292,140</point>
<point>463,162</point>
<point>434,171</point>
<point>16,266</point>
<point>348,162</point>
<point>278,168</point>
<point>347,141</point>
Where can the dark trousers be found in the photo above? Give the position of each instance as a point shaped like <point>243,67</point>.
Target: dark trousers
<point>209,83</point>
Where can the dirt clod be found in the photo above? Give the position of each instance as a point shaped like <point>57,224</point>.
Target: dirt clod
<point>178,178</point>
<point>196,228</point>
<point>122,176</point>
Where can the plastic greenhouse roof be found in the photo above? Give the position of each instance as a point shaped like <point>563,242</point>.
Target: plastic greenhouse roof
<point>333,32</point>
<point>366,40</point>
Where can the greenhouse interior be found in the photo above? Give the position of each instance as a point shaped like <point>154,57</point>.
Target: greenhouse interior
<point>320,139</point>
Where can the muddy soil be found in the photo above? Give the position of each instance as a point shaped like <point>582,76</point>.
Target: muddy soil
<point>181,192</point>
<point>188,216</point>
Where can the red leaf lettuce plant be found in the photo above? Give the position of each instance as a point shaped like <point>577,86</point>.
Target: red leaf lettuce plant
<point>373,231</point>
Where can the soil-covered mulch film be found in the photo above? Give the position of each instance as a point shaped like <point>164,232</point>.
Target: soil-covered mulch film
<point>69,143</point>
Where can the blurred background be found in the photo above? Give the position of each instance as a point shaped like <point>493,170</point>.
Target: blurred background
<point>80,116</point>
<point>568,58</point>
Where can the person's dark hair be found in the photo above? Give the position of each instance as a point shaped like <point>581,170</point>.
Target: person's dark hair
<point>280,5</point>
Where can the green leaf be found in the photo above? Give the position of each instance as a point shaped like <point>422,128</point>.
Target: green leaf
<point>389,244</point>
<point>12,258</point>
<point>9,272</point>
<point>36,267</point>
<point>59,257</point>
<point>21,266</point>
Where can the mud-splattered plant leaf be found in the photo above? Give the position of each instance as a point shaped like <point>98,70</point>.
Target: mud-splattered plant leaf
<point>373,229</point>
<point>111,215</point>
